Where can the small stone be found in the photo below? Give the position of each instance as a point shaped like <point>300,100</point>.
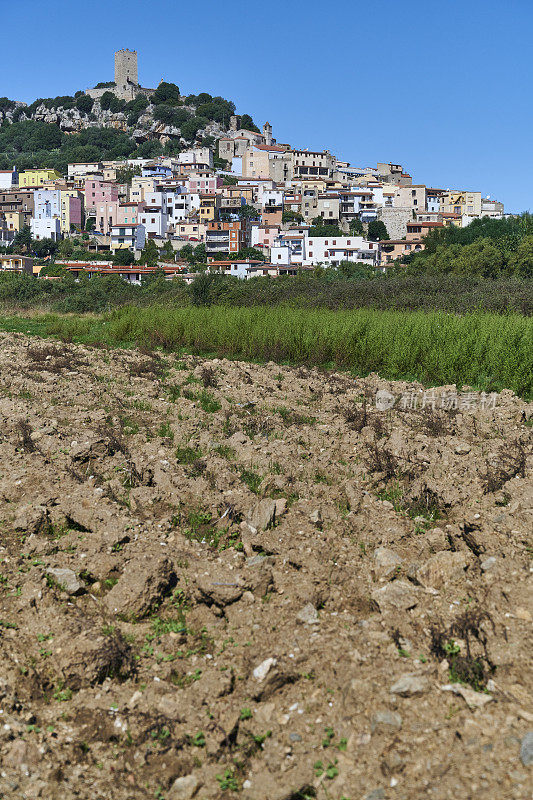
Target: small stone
<point>263,514</point>
<point>308,615</point>
<point>253,561</point>
<point>66,579</point>
<point>384,720</point>
<point>183,788</point>
<point>262,670</point>
<point>472,699</point>
<point>375,794</point>
<point>281,507</point>
<point>523,613</point>
<point>526,749</point>
<point>295,737</point>
<point>386,562</point>
<point>462,449</point>
<point>488,563</point>
<point>442,568</point>
<point>397,594</point>
<point>409,685</point>
<point>316,517</point>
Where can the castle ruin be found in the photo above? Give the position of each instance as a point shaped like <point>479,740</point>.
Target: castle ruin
<point>126,85</point>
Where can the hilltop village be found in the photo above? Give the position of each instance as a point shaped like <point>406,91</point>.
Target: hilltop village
<point>230,197</point>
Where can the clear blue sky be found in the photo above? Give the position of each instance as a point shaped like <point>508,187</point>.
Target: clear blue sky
<point>444,88</point>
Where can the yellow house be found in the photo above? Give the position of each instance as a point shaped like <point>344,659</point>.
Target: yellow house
<point>460,201</point>
<point>37,177</point>
<point>67,217</point>
<point>208,207</point>
<point>192,230</point>
<point>310,183</point>
<point>15,220</point>
<point>16,263</point>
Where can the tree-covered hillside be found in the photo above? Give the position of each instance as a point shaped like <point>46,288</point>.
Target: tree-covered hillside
<point>487,248</point>
<point>51,132</point>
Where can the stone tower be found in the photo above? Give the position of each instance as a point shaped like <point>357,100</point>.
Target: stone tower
<point>125,72</point>
<point>267,133</point>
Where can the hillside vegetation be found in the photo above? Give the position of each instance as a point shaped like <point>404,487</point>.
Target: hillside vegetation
<point>489,351</point>
<point>487,248</point>
<point>52,132</point>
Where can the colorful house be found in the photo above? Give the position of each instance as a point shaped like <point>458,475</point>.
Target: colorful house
<point>38,177</point>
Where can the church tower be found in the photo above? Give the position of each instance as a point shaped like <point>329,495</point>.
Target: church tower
<point>267,133</point>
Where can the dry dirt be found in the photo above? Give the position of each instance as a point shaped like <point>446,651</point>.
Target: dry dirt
<point>224,580</point>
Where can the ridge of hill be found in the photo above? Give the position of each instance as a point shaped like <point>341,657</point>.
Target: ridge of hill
<point>50,132</point>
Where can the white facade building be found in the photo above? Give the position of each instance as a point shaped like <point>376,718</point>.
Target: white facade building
<point>47,203</point>
<point>331,251</point>
<point>154,215</point>
<point>46,228</point>
<point>132,237</point>
<point>8,178</point>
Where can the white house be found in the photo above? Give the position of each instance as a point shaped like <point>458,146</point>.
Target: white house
<point>47,203</point>
<point>8,178</point>
<point>84,169</point>
<point>154,215</point>
<point>289,248</point>
<point>179,205</point>
<point>201,156</point>
<point>46,228</point>
<point>330,251</point>
<point>132,237</point>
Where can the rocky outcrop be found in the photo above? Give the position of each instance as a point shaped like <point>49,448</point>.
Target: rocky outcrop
<point>72,120</point>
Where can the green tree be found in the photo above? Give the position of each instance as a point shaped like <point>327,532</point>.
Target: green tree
<point>325,231</point>
<point>248,124</point>
<point>248,252</point>
<point>123,257</point>
<point>377,231</point>
<point>230,180</point>
<point>166,93</point>
<point>247,212</point>
<point>355,270</point>
<point>521,261</point>
<point>22,241</point>
<point>65,248</point>
<point>44,247</point>
<point>84,103</point>
<point>292,216</point>
<point>106,100</point>
<point>126,173</point>
<point>356,227</point>
<point>200,289</point>
<point>149,253</point>
<point>167,251</point>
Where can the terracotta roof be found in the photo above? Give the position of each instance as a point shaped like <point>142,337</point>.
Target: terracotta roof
<point>273,147</point>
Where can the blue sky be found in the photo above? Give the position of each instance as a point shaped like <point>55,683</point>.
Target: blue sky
<point>444,88</point>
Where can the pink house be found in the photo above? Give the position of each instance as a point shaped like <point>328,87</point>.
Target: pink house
<point>101,202</point>
<point>75,211</point>
<point>127,213</point>
<point>203,182</point>
<point>262,236</point>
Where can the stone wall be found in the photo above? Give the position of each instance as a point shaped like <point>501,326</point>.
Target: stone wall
<point>395,220</point>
